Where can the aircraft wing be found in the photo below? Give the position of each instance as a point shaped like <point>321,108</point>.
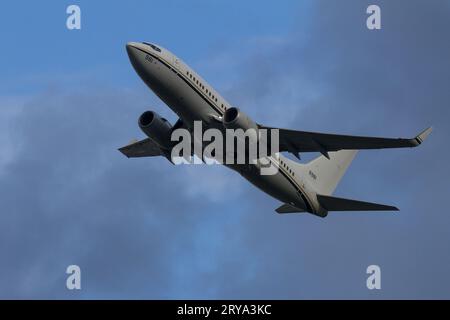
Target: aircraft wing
<point>303,141</point>
<point>143,148</point>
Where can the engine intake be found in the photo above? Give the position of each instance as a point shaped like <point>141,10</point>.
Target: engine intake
<point>156,128</point>
<point>236,119</point>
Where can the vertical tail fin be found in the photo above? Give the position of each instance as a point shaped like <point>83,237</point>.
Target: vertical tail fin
<point>325,174</point>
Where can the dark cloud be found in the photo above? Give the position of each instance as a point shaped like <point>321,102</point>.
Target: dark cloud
<point>69,197</point>
<point>144,229</point>
<point>348,79</point>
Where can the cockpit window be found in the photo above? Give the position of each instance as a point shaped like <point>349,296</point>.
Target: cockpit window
<point>152,46</point>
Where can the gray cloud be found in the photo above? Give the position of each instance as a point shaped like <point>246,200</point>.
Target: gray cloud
<point>69,196</point>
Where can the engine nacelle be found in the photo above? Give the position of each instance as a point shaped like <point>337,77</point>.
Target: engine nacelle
<point>156,128</point>
<point>236,119</point>
<point>250,139</point>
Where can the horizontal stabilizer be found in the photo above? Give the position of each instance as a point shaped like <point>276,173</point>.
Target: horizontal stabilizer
<point>339,204</point>
<point>143,148</point>
<point>287,208</point>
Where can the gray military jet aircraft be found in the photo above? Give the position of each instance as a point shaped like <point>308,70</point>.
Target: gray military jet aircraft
<point>301,187</point>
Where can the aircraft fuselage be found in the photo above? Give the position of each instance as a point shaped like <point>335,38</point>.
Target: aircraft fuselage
<point>193,99</point>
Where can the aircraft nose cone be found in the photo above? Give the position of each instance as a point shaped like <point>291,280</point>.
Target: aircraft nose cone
<point>137,59</point>
<point>133,54</point>
<point>131,48</point>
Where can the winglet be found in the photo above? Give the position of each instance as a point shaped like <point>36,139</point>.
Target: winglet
<point>423,135</point>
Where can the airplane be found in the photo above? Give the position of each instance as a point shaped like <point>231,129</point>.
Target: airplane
<point>301,187</point>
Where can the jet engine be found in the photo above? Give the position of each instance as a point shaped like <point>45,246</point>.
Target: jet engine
<point>156,128</point>
<point>236,119</point>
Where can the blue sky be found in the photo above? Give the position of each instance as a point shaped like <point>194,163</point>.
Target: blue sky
<point>43,45</point>
<point>144,229</point>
